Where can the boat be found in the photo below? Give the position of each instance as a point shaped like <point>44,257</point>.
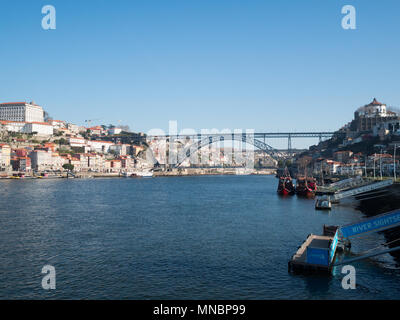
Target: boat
<point>138,174</point>
<point>285,186</point>
<point>323,203</point>
<point>306,186</point>
<point>145,174</point>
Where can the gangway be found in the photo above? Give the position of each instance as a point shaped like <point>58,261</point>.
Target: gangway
<point>378,223</point>
<point>362,189</point>
<point>313,256</point>
<point>347,182</point>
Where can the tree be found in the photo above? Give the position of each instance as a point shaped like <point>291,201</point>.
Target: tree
<point>125,128</point>
<point>68,166</point>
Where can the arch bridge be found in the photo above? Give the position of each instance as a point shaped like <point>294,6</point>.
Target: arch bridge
<point>256,139</point>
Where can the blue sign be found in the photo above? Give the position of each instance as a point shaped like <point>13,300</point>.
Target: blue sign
<point>382,222</point>
<point>332,248</point>
<point>317,256</point>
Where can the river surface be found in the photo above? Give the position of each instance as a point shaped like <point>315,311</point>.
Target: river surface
<point>207,237</point>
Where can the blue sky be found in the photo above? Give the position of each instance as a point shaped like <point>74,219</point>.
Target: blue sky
<point>250,64</point>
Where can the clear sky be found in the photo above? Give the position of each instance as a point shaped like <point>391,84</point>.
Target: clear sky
<point>250,64</point>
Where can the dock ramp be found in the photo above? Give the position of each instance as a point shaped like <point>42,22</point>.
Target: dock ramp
<point>375,224</point>
<point>318,253</point>
<point>362,189</point>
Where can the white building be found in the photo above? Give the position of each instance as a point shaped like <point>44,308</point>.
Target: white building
<point>113,131</point>
<point>75,128</point>
<point>100,146</point>
<point>57,124</point>
<point>41,160</point>
<point>14,126</point>
<point>77,141</point>
<point>41,128</point>
<point>375,108</point>
<point>21,111</point>
<point>120,149</point>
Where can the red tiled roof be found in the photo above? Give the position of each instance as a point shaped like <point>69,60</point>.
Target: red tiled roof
<point>12,103</point>
<point>375,103</point>
<point>42,123</point>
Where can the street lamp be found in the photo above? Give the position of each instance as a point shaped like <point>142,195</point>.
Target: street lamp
<point>380,163</point>
<point>394,162</point>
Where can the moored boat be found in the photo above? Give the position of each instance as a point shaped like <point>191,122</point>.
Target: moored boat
<point>139,174</point>
<point>306,186</point>
<point>323,203</point>
<point>285,186</point>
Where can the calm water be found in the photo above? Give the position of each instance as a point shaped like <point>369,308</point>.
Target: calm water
<point>216,237</point>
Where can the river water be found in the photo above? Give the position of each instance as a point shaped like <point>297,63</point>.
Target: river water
<point>208,237</point>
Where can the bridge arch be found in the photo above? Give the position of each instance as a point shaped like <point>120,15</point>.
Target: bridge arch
<point>189,150</point>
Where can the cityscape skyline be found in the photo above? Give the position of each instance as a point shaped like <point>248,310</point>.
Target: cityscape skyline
<point>268,66</point>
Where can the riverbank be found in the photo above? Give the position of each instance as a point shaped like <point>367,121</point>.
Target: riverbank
<point>213,171</point>
<point>172,173</point>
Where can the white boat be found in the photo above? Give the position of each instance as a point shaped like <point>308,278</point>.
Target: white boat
<point>323,203</point>
<point>145,174</point>
<point>138,174</point>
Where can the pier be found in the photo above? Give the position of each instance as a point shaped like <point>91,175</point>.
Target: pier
<point>318,253</point>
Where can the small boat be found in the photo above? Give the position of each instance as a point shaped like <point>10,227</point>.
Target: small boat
<point>145,174</point>
<point>306,186</point>
<point>138,174</point>
<point>323,203</point>
<point>285,186</point>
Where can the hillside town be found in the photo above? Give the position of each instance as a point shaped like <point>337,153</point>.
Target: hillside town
<point>31,144</point>
<point>365,146</point>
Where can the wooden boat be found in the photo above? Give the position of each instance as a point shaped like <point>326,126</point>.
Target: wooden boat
<point>285,186</point>
<point>306,186</point>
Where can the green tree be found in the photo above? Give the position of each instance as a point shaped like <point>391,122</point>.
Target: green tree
<point>68,166</point>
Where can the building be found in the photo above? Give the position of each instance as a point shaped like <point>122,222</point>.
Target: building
<point>113,166</point>
<point>5,156</point>
<point>99,146</point>
<point>370,115</point>
<point>22,164</point>
<point>40,128</point>
<point>113,131</point>
<point>97,130</point>
<point>21,111</point>
<point>391,126</point>
<point>120,149</point>
<point>342,156</point>
<point>73,128</point>
<point>57,124</point>
<point>77,141</point>
<point>41,160</point>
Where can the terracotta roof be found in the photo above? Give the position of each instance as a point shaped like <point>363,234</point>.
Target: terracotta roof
<point>42,123</point>
<point>12,103</point>
<point>375,103</point>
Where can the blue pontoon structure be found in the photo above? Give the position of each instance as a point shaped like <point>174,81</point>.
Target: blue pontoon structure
<point>318,253</point>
